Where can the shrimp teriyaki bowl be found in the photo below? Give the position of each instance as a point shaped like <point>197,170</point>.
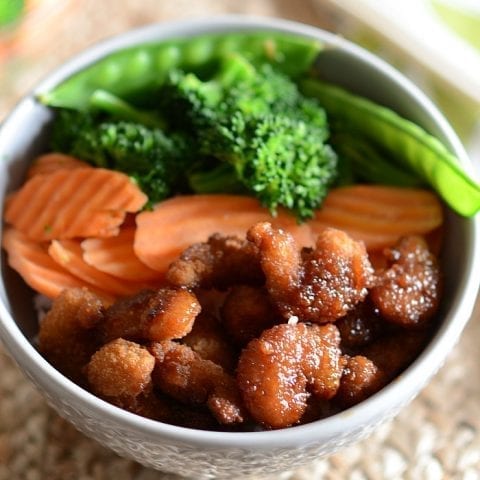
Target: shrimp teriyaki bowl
<point>231,246</point>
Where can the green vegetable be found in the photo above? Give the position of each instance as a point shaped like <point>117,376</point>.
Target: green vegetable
<point>156,161</point>
<point>237,87</point>
<point>207,179</point>
<point>281,160</point>
<point>412,146</point>
<point>117,108</point>
<point>368,163</point>
<point>256,120</point>
<point>192,103</point>
<point>134,73</point>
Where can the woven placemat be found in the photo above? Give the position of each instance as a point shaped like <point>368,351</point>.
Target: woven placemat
<point>436,437</point>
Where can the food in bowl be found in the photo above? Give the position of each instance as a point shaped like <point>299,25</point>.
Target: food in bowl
<point>329,296</point>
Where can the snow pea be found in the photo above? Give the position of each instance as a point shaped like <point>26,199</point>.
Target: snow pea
<point>369,163</point>
<point>134,73</point>
<point>410,144</point>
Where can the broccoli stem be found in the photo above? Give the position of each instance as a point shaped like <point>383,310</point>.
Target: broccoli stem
<point>222,178</point>
<point>104,101</point>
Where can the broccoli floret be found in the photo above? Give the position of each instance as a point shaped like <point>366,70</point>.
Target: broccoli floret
<point>286,164</point>
<point>155,160</point>
<point>73,133</point>
<point>257,122</point>
<point>192,103</point>
<point>280,159</point>
<point>267,92</point>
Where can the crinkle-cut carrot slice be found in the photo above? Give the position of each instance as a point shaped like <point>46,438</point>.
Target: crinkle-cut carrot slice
<point>175,224</point>
<point>69,255</point>
<point>84,202</point>
<point>115,256</point>
<point>372,241</point>
<point>51,162</point>
<point>32,261</point>
<point>379,215</point>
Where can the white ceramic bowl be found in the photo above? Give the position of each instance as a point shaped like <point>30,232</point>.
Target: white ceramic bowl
<point>205,454</point>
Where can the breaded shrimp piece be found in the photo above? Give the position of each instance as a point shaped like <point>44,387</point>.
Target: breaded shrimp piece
<point>67,336</point>
<point>336,276</point>
<point>120,371</point>
<point>211,300</point>
<point>157,406</point>
<point>319,285</point>
<point>157,315</point>
<point>361,378</point>
<point>394,352</point>
<point>361,326</point>
<point>247,312</point>
<point>277,372</point>
<point>150,405</point>
<point>220,262</point>
<point>280,261</point>
<point>208,339</point>
<point>184,375</point>
<point>408,292</point>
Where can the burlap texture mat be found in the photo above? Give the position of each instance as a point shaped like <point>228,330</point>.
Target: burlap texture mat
<point>436,437</point>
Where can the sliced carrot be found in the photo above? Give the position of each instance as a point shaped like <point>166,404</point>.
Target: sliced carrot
<point>379,215</point>
<point>77,202</point>
<point>174,224</point>
<point>84,202</point>
<point>32,261</point>
<point>69,255</point>
<point>115,256</point>
<point>51,162</point>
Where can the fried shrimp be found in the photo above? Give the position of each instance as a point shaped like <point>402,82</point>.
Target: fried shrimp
<point>163,314</point>
<point>318,285</point>
<point>246,312</point>
<point>67,333</point>
<point>120,371</point>
<point>278,371</point>
<point>208,339</point>
<point>361,378</point>
<point>361,326</point>
<point>408,292</point>
<point>394,352</point>
<point>183,374</point>
<point>250,333</point>
<point>218,263</point>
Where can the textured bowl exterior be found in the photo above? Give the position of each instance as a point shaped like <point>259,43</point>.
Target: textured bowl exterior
<point>197,462</point>
<point>217,454</point>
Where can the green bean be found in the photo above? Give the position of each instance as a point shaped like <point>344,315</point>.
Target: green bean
<point>411,145</point>
<point>134,73</point>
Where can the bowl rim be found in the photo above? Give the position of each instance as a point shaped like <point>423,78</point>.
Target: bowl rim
<point>363,413</point>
